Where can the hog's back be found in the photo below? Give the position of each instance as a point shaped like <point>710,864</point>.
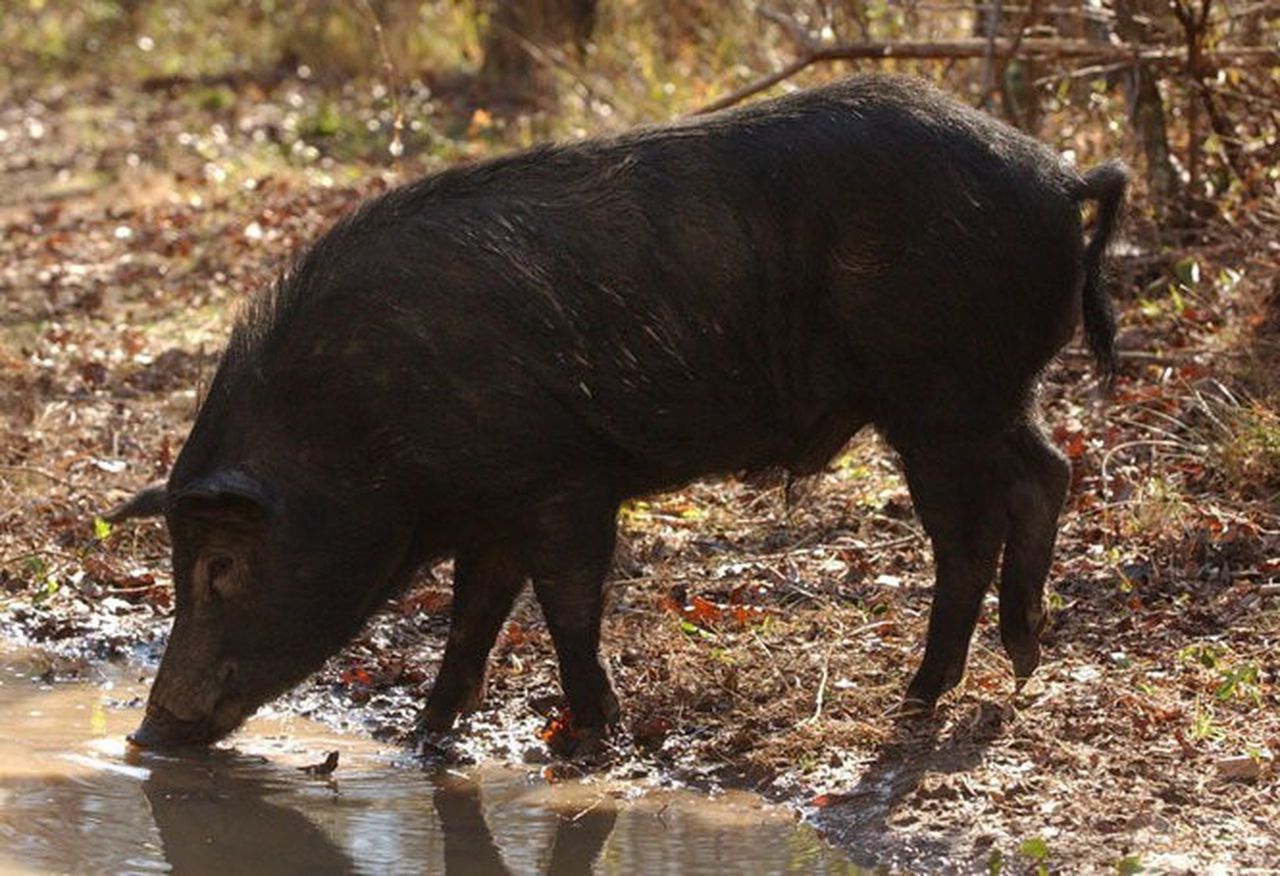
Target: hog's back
<point>725,294</point>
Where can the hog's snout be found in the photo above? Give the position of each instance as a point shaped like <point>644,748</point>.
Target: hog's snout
<point>161,728</point>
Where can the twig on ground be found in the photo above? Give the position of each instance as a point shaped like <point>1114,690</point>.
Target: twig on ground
<point>586,811</point>
<point>1127,445</point>
<point>39,552</point>
<point>1189,446</point>
<point>39,472</point>
<point>1142,357</point>
<point>822,687</point>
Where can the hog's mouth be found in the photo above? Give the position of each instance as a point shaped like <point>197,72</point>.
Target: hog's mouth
<point>162,729</point>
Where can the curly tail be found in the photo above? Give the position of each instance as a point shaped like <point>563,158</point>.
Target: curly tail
<point>1105,184</point>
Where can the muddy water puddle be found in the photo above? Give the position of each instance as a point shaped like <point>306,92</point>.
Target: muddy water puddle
<point>74,798</point>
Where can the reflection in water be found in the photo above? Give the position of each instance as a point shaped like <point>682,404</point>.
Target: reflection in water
<point>214,818</point>
<point>578,844</point>
<point>73,799</point>
<point>468,845</point>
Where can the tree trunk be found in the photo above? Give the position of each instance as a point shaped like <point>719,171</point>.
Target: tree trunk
<point>1010,78</point>
<point>1146,111</point>
<point>519,36</point>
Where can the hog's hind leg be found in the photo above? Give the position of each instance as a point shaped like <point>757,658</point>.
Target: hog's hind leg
<point>1034,501</point>
<point>958,488</point>
<point>486,582</point>
<point>574,541</point>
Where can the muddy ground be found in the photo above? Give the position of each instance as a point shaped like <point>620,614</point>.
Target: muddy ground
<point>760,632</point>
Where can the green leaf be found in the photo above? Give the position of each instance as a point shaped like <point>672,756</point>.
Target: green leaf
<point>720,655</point>
<point>36,566</point>
<point>1238,680</point>
<point>1187,271</point>
<point>51,586</point>
<point>1034,848</point>
<point>101,529</point>
<point>692,629</point>
<point>1129,865</point>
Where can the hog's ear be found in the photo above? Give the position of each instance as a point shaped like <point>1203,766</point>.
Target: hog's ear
<point>148,502</point>
<point>230,494</point>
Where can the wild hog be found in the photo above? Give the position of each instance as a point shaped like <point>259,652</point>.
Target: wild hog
<point>486,362</point>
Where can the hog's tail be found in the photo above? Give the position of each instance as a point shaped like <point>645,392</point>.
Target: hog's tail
<point>1105,184</point>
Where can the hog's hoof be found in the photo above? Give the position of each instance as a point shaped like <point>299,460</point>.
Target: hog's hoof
<point>931,681</point>
<point>611,710</point>
<point>1022,644</point>
<point>584,745</point>
<point>432,720</point>
<point>912,709</point>
<point>1025,658</point>
<point>474,699</point>
<point>439,748</point>
<point>592,746</point>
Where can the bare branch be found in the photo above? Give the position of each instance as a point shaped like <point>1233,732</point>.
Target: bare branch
<point>1083,73</point>
<point>795,30</point>
<point>756,86</point>
<point>1043,47</point>
<point>1038,47</point>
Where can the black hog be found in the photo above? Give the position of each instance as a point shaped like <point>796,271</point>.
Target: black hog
<point>486,362</point>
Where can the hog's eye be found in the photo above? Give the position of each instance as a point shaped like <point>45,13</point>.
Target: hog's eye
<point>219,572</point>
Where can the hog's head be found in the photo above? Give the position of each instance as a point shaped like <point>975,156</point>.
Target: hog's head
<point>269,582</point>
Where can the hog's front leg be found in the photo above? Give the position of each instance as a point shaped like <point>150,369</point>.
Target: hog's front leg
<point>486,581</point>
<point>574,541</point>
